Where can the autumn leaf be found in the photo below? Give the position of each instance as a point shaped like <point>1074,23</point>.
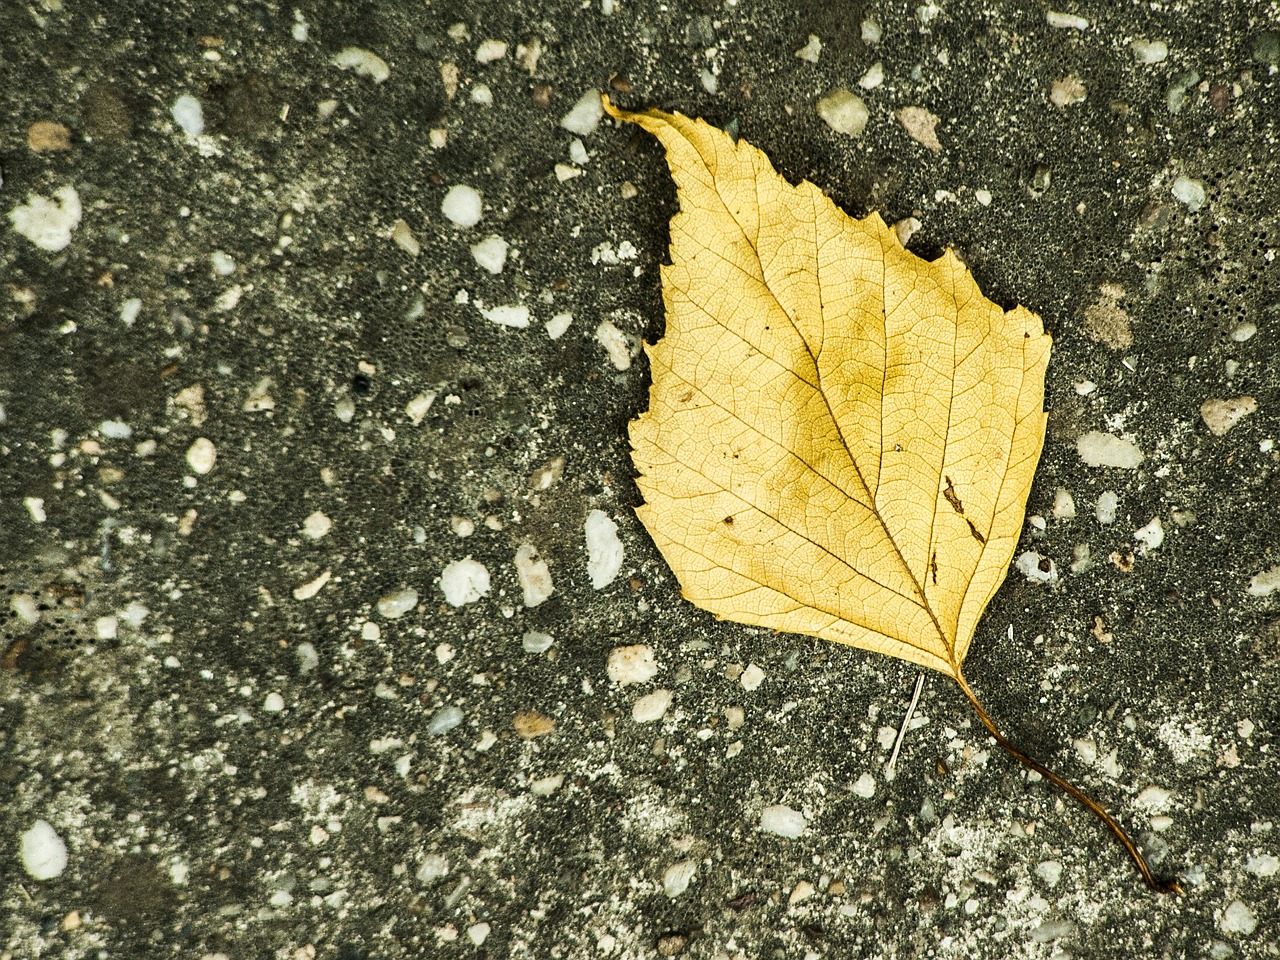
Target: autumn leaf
<point>841,436</point>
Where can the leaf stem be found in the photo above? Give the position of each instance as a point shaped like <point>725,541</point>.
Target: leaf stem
<point>1162,886</point>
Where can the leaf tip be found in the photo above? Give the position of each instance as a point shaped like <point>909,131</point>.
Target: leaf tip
<point>612,110</point>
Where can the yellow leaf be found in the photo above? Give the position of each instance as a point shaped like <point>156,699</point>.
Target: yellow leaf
<point>841,436</point>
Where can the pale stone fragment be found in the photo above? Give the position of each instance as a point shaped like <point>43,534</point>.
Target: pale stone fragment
<point>844,112</point>
<point>1220,415</point>
<point>920,125</point>
<point>782,821</point>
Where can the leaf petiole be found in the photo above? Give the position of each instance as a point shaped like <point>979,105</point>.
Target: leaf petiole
<point>1161,886</point>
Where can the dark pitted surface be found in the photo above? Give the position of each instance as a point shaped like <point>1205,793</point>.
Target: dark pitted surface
<point>276,432</point>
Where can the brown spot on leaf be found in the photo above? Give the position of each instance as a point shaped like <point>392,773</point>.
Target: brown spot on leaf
<point>950,493</point>
<point>976,535</point>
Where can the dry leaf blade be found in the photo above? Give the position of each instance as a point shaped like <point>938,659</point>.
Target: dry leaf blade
<point>823,387</point>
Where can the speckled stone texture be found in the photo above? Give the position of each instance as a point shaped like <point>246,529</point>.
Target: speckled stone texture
<point>267,393</point>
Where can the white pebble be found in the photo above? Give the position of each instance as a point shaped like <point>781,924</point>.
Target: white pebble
<point>534,575</point>
<point>309,589</point>
<point>202,455</point>
<point>864,786</point>
<point>1153,799</point>
<point>364,62</point>
<point>633,664</point>
<point>1037,568</point>
<point>1265,583</point>
<point>546,786</point>
<point>812,50</point>
<point>1108,503</point>
<point>308,658</point>
<point>1105,450</point>
<point>615,345</point>
<point>1046,932</point>
<point>478,933</point>
<point>444,720</point>
<point>1065,21</point>
<point>274,703</point>
<point>871,31</point>
<point>578,152</point>
<point>1086,749</point>
<point>481,94</point>
<point>751,678</point>
<point>604,549</point>
<point>417,408</point>
<point>558,324</point>
<point>508,316</point>
<point>48,223</point>
<point>396,604</point>
<point>1150,51</point>
<point>651,707</point>
<point>461,527</point>
<point>905,229</point>
<point>316,525</point>
<point>129,311</point>
<point>490,253</point>
<point>402,236</point>
<point>782,821</point>
<point>1050,871</point>
<point>188,114</point>
<point>43,852</point>
<point>1220,414</point>
<point>434,866</point>
<point>677,877</point>
<point>844,112</point>
<point>1263,865</point>
<point>1064,505</point>
<point>1244,331</point>
<point>535,642</point>
<point>802,891</point>
<point>490,50</point>
<point>1190,193</point>
<point>873,77</point>
<point>584,116</point>
<point>982,196</point>
<point>1238,918</point>
<point>464,581</point>
<point>462,205</point>
<point>1150,537</point>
